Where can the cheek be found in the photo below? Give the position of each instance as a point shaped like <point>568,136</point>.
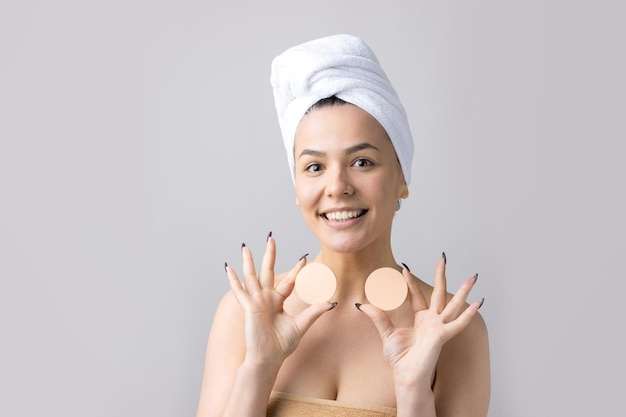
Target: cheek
<point>304,195</point>
<point>382,191</point>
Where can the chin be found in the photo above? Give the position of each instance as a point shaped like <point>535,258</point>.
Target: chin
<point>346,244</point>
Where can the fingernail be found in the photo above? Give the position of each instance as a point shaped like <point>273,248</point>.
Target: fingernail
<point>243,245</point>
<point>481,302</point>
<point>226,266</point>
<point>268,236</point>
<point>407,268</point>
<point>303,256</point>
<point>445,260</point>
<point>358,306</point>
<point>475,278</point>
<point>333,305</point>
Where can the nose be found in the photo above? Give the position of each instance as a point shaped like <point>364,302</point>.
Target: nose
<point>338,183</point>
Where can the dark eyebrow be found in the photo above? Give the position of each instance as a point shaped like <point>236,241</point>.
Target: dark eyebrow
<point>350,150</point>
<point>360,147</point>
<point>311,152</point>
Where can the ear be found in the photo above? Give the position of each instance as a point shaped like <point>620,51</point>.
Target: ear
<point>404,190</point>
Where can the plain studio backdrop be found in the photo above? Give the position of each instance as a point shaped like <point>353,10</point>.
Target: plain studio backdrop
<point>139,148</point>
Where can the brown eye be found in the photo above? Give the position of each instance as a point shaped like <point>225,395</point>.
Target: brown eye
<point>313,168</point>
<point>362,162</point>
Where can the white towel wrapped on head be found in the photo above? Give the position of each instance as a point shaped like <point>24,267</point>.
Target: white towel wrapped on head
<point>343,66</point>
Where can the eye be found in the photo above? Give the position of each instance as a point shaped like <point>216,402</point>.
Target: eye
<point>313,167</point>
<point>362,162</point>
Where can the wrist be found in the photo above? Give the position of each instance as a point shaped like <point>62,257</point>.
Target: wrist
<point>413,381</point>
<point>404,386</point>
<point>251,390</point>
<point>260,370</point>
<point>414,398</point>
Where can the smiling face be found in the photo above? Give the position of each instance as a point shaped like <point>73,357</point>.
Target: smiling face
<point>348,178</point>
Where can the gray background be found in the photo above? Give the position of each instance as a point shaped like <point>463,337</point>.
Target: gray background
<point>139,147</point>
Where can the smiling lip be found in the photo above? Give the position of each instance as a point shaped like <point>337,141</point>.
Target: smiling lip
<point>343,215</point>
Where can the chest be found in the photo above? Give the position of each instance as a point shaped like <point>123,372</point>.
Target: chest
<point>340,358</point>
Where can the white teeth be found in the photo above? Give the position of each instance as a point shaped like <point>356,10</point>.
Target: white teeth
<point>343,215</point>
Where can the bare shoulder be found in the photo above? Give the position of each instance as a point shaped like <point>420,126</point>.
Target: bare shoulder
<point>224,354</point>
<point>426,289</point>
<point>462,382</point>
<point>228,323</point>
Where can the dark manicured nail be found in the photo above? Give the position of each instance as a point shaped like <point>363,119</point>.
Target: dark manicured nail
<point>475,278</point>
<point>226,266</point>
<point>407,268</point>
<point>445,260</point>
<point>268,236</point>
<point>243,245</point>
<point>303,256</point>
<point>333,306</point>
<point>481,302</point>
<point>358,306</point>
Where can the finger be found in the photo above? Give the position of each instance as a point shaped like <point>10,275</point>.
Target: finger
<point>439,296</point>
<point>250,279</point>
<point>266,277</point>
<point>381,321</point>
<point>456,326</point>
<point>309,315</point>
<point>457,303</point>
<point>235,285</point>
<point>285,287</point>
<point>416,297</point>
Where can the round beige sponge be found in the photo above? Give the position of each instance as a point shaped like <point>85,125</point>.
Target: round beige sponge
<point>386,288</point>
<point>315,283</point>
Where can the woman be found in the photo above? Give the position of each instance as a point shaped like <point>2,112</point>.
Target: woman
<point>270,352</point>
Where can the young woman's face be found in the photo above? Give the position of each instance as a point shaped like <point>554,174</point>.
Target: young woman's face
<point>348,178</point>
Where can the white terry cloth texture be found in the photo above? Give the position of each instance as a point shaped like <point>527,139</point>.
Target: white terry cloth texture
<point>343,66</point>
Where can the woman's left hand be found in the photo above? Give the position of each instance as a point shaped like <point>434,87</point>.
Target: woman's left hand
<point>412,352</point>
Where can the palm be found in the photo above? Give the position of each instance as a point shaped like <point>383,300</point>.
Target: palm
<point>271,334</point>
<point>412,352</point>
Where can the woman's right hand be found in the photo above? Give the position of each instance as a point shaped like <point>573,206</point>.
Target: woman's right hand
<point>271,334</point>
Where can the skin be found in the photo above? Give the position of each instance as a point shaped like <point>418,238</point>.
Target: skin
<point>430,357</point>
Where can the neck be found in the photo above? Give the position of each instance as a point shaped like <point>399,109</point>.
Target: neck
<point>352,269</point>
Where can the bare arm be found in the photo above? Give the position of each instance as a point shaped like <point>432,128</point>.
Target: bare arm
<point>226,381</point>
<point>415,352</point>
<point>250,338</point>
